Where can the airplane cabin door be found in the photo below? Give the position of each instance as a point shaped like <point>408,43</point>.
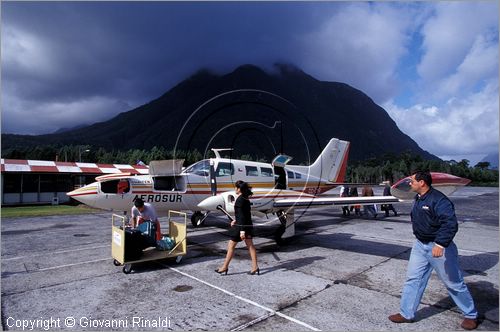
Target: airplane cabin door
<point>279,163</point>
<point>279,178</point>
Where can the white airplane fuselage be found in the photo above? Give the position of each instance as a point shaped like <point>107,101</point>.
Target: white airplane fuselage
<point>186,190</point>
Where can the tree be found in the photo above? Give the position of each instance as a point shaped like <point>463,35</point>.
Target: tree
<point>483,165</point>
<point>464,163</point>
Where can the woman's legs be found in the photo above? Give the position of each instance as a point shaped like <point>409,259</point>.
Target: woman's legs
<point>253,253</point>
<point>229,255</point>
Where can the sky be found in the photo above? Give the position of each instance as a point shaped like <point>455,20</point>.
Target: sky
<point>433,66</point>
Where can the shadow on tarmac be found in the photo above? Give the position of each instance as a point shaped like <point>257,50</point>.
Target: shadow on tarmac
<point>485,297</point>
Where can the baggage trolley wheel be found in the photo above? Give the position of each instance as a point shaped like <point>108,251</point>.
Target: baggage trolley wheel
<point>178,259</point>
<point>127,268</point>
<point>116,263</point>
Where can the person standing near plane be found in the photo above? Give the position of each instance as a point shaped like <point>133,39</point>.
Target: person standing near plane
<point>356,208</point>
<point>388,207</point>
<point>434,225</point>
<point>344,192</point>
<point>243,224</point>
<point>141,212</point>
<point>369,209</point>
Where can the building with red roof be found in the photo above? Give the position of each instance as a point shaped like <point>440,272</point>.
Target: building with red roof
<point>45,182</point>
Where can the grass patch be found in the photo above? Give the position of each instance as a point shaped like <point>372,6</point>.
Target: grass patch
<point>45,210</point>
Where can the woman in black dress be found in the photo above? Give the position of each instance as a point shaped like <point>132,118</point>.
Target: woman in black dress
<point>241,228</point>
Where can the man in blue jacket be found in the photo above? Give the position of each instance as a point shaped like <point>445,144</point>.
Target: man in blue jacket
<point>434,225</point>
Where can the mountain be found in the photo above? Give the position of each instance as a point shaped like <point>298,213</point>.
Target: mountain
<point>251,110</point>
<point>492,158</point>
<point>63,130</point>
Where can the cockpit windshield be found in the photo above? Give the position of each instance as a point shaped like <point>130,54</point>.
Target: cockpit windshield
<point>201,168</point>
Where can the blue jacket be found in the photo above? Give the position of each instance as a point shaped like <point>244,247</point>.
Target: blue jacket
<point>433,218</point>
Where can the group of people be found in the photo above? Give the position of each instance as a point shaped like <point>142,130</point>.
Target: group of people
<point>434,225</point>
<point>369,209</point>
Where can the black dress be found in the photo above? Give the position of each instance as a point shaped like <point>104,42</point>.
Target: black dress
<point>243,218</point>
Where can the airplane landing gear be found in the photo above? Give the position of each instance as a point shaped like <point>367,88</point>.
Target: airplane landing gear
<point>198,218</point>
<point>286,229</point>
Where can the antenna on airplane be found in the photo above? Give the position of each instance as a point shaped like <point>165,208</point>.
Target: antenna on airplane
<point>281,137</point>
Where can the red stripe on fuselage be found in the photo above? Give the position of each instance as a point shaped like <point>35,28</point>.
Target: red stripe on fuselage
<point>83,194</point>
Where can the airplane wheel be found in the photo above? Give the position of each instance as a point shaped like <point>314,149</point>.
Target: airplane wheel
<point>196,219</point>
<point>277,235</point>
<point>116,263</point>
<point>127,268</point>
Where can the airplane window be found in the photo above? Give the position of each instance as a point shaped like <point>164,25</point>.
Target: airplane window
<point>266,171</point>
<point>224,169</point>
<point>252,171</point>
<point>123,187</point>
<point>298,175</point>
<point>169,183</point>
<point>164,183</point>
<point>290,174</point>
<point>201,168</point>
<point>110,187</point>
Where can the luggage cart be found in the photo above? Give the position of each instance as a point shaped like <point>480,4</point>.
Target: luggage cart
<point>176,230</point>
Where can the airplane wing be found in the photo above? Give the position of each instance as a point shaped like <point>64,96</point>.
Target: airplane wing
<point>322,201</point>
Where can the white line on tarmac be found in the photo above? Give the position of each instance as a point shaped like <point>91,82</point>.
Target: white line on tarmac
<point>271,311</point>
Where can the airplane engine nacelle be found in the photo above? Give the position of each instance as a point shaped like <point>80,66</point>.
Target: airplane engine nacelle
<point>224,200</point>
<point>446,183</point>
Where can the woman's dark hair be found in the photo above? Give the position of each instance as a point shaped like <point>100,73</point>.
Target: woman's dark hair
<point>245,189</point>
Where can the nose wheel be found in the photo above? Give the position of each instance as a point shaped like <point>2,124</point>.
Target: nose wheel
<point>198,218</point>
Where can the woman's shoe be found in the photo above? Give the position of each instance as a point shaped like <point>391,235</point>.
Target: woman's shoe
<point>223,271</point>
<point>255,271</point>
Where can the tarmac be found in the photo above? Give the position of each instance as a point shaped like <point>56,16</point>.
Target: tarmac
<point>337,274</point>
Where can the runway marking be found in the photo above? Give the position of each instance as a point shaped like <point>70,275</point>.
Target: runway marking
<point>271,311</point>
<point>55,252</point>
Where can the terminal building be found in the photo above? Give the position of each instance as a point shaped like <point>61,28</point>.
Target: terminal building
<point>47,182</point>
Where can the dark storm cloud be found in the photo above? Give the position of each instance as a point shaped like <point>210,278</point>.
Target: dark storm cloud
<point>129,53</point>
<point>71,63</point>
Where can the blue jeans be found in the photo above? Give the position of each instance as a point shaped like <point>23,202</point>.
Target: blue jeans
<point>420,267</point>
<point>370,209</point>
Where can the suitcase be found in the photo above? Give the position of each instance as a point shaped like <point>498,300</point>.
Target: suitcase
<point>134,244</point>
<point>148,231</point>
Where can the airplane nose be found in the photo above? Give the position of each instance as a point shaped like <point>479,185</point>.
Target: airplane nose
<point>86,194</point>
<point>211,203</point>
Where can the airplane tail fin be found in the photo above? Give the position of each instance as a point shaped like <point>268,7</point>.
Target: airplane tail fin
<point>331,163</point>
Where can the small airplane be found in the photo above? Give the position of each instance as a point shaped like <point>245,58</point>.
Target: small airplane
<point>208,185</point>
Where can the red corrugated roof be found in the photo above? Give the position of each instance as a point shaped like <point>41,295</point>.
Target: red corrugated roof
<point>45,166</point>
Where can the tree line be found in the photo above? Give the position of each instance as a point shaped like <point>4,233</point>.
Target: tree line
<point>373,170</point>
<point>393,167</point>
